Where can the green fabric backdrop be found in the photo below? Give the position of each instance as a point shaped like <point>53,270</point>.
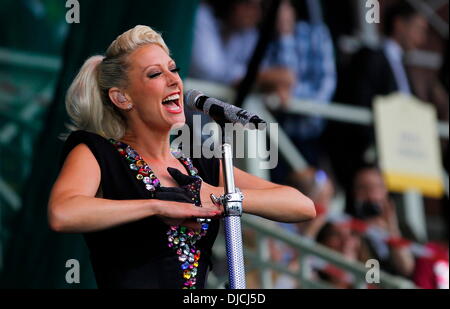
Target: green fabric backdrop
<point>36,257</point>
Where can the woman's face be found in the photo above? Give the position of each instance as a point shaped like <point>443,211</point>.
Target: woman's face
<point>155,88</point>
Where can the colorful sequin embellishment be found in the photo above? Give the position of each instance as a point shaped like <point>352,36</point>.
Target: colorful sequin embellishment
<point>181,239</point>
<point>137,163</point>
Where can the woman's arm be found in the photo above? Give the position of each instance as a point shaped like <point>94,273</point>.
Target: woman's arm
<point>269,200</point>
<point>73,207</point>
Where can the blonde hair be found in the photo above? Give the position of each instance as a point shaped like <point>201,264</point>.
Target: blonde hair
<point>87,100</point>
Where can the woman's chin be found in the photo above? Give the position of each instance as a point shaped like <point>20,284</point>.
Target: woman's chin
<point>178,123</point>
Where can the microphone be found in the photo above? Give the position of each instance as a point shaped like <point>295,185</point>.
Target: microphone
<point>220,111</point>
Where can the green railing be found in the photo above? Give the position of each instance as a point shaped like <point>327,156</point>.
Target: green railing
<point>308,249</point>
<point>258,260</point>
<point>27,82</point>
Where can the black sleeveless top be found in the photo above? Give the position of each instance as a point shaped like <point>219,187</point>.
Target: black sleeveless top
<point>136,254</point>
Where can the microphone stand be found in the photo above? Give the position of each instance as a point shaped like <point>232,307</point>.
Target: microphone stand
<point>232,203</point>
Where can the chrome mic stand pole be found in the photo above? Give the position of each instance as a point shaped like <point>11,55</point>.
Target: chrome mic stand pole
<point>232,203</point>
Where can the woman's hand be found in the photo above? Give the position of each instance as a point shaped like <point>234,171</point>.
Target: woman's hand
<point>176,213</point>
<point>207,201</point>
<point>201,195</point>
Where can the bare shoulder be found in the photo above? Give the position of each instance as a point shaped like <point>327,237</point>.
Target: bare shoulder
<point>80,174</point>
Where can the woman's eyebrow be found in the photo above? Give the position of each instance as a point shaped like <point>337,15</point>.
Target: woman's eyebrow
<point>157,65</point>
<point>151,65</point>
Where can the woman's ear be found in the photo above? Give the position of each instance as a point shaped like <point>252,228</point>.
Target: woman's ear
<point>119,99</point>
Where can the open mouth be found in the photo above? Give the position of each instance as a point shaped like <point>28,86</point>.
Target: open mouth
<point>172,103</point>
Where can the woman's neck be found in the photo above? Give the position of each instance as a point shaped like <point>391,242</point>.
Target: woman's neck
<point>149,143</point>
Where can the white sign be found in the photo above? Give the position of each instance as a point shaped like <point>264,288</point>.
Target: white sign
<point>408,144</point>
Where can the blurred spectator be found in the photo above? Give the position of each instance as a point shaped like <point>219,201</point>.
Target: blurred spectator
<point>339,237</point>
<point>432,272</point>
<point>305,48</point>
<point>375,72</point>
<point>225,36</point>
<point>382,71</point>
<point>320,189</point>
<point>277,76</point>
<point>371,204</point>
<point>428,88</point>
<point>332,233</point>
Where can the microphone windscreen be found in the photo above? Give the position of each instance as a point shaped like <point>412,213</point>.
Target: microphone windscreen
<point>191,97</point>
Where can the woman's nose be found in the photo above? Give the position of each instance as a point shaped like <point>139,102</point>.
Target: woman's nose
<point>172,78</point>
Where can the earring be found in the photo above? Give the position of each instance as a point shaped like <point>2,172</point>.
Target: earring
<point>129,107</point>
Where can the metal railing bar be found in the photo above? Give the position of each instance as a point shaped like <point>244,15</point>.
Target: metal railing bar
<point>327,254</point>
<point>260,263</point>
<point>332,110</point>
<point>312,284</point>
<point>11,197</point>
<point>27,59</point>
<point>289,151</point>
<point>434,19</point>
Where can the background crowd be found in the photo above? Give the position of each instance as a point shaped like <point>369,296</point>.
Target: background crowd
<point>307,59</point>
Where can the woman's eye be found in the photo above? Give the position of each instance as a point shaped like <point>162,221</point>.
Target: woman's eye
<point>153,75</point>
<point>156,74</point>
